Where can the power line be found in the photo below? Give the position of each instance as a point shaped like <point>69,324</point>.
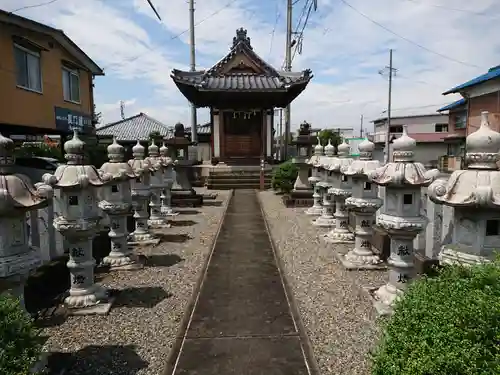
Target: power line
<point>445,7</point>
<point>406,39</point>
<point>33,6</point>
<point>228,4</point>
<point>278,15</point>
<point>154,9</point>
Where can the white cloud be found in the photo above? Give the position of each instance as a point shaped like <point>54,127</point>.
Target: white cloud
<point>344,49</point>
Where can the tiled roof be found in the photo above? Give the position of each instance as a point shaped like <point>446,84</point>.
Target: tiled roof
<point>202,129</point>
<point>134,128</point>
<point>453,105</point>
<point>491,74</point>
<point>241,81</point>
<point>216,78</point>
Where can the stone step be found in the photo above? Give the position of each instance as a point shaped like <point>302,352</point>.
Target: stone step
<point>229,186</point>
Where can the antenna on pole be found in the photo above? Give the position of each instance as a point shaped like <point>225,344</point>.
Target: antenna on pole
<point>122,109</point>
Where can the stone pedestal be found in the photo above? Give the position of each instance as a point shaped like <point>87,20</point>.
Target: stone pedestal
<point>340,189</point>
<point>401,217</point>
<point>363,203</point>
<point>117,204</point>
<point>156,219</point>
<point>326,220</point>
<point>316,208</point>
<point>183,193</point>
<point>18,196</point>
<point>341,233</point>
<point>473,194</point>
<point>140,190</point>
<point>79,222</point>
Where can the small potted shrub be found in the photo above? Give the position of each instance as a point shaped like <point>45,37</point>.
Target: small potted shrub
<point>447,324</point>
<point>20,343</point>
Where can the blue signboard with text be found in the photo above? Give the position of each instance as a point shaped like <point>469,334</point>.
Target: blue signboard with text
<point>67,120</point>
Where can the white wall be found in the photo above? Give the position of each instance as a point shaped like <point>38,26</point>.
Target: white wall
<point>422,124</point>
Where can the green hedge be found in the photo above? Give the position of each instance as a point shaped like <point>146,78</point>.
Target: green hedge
<point>284,177</point>
<point>448,324</point>
<point>20,343</point>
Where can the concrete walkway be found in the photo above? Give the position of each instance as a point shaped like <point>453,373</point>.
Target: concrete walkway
<point>241,323</point>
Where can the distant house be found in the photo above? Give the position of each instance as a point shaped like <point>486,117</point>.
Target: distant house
<point>457,126</point>
<point>46,81</point>
<point>429,130</point>
<point>480,94</point>
<point>138,127</point>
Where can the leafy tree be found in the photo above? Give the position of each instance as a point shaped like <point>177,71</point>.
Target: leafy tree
<point>328,134</point>
<point>96,117</point>
<point>155,135</point>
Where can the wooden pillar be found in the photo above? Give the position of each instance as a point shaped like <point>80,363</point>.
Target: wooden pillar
<point>268,120</point>
<point>216,133</point>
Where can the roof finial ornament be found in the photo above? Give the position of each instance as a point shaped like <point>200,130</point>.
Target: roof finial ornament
<point>241,37</point>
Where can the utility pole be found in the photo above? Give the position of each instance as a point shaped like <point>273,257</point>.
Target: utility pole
<point>361,127</point>
<point>392,71</point>
<point>288,68</point>
<point>194,120</point>
<point>122,109</point>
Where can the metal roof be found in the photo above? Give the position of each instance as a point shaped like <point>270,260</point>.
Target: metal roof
<point>453,105</point>
<point>492,74</point>
<point>134,128</point>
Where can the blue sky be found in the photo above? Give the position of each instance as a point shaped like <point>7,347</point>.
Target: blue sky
<point>438,44</point>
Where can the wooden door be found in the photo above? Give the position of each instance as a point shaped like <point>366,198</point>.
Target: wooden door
<point>242,135</point>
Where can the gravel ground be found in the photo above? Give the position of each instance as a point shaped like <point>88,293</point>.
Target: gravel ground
<point>136,336</point>
<point>336,312</point>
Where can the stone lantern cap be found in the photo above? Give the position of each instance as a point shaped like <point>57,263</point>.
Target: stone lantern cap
<point>154,156</point>
<point>139,163</point>
<point>479,184</point>
<point>117,167</point>
<point>317,154</point>
<point>403,170</point>
<point>75,173</point>
<point>363,166</point>
<point>342,160</point>
<point>17,192</point>
<point>165,155</point>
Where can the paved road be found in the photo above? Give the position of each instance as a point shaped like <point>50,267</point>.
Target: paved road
<point>242,322</point>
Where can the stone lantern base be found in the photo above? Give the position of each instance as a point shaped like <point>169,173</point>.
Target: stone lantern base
<point>460,254</point>
<point>97,301</point>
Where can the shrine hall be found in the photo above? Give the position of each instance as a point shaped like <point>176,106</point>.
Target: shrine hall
<point>242,91</point>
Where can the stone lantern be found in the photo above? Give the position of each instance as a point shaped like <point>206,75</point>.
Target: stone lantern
<point>17,197</point>
<point>403,179</point>
<point>339,190</point>
<point>302,188</point>
<point>182,191</point>
<point>156,186</point>
<point>78,222</point>
<point>364,203</point>
<point>326,219</point>
<point>141,193</point>
<point>474,194</point>
<point>168,177</point>
<point>117,204</point>
<point>314,160</point>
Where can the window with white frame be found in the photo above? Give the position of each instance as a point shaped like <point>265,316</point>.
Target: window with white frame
<point>71,85</point>
<point>28,70</point>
